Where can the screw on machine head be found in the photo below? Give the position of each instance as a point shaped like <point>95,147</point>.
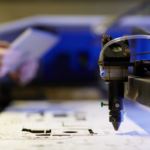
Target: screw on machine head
<point>105,38</point>
<point>117,105</point>
<point>103,104</point>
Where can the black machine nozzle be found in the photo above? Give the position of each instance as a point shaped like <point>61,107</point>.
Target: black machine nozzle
<point>116,105</point>
<point>116,125</point>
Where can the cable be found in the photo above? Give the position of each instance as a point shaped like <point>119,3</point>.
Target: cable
<point>121,39</point>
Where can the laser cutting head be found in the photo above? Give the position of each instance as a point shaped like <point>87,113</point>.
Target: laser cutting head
<point>115,73</point>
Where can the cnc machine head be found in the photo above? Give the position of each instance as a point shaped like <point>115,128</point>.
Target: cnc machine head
<point>114,71</point>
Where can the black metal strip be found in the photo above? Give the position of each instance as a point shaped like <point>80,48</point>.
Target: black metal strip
<point>118,63</point>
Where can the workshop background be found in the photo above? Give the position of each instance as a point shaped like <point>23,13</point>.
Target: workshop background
<point>16,9</point>
<point>11,10</point>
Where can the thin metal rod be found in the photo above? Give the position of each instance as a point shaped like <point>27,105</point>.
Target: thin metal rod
<point>143,53</point>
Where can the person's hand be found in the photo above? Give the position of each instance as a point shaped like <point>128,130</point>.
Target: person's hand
<point>26,72</point>
<point>8,58</point>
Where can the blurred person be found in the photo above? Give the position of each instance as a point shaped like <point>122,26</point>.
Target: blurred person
<point>22,76</point>
<point>26,71</point>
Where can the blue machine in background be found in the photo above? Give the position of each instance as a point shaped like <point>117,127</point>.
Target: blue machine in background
<point>73,59</point>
